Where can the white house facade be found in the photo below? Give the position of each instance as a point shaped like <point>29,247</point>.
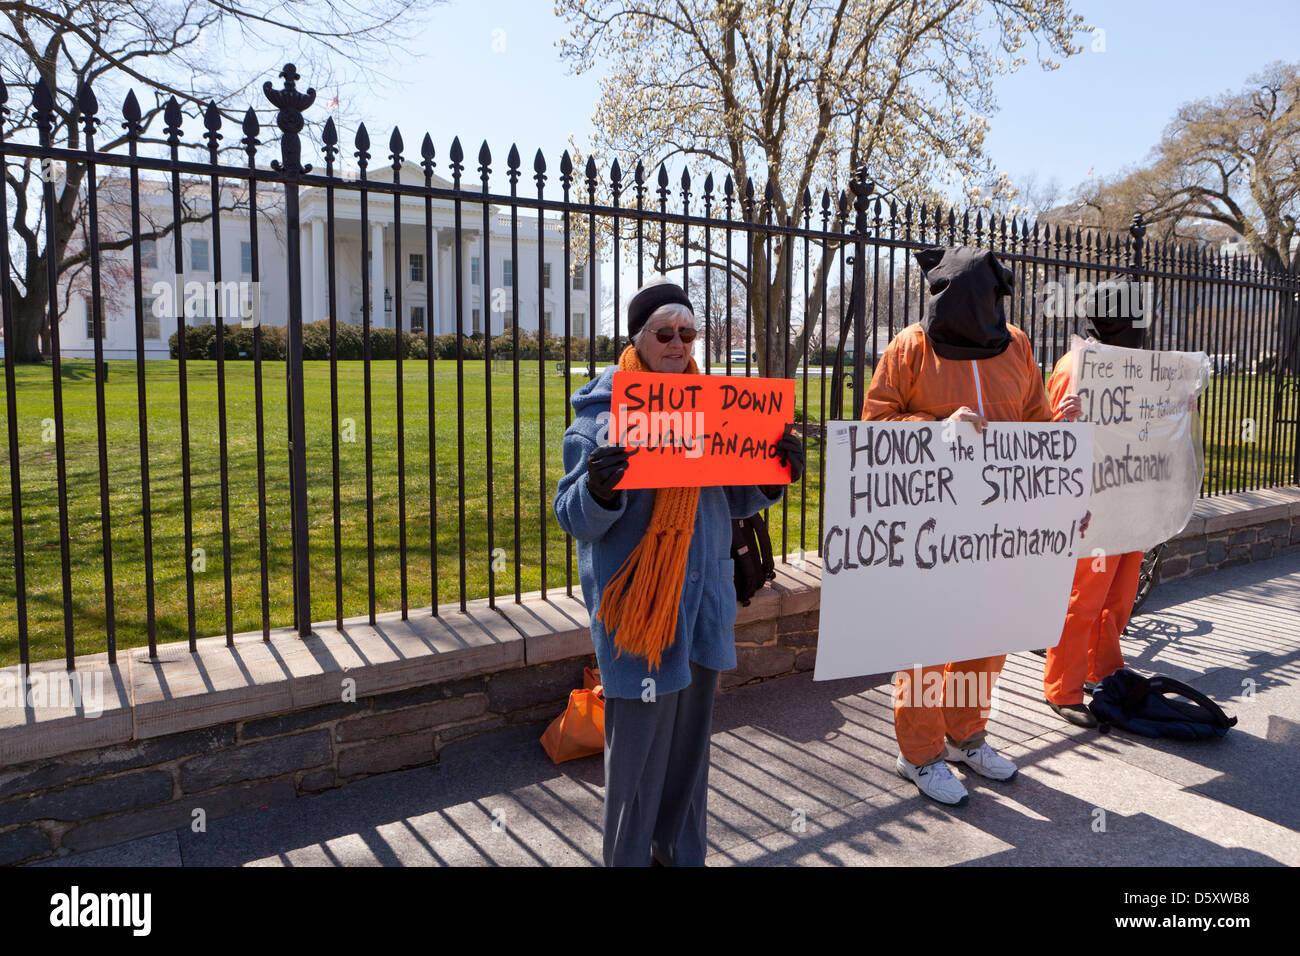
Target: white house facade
<point>423,282</point>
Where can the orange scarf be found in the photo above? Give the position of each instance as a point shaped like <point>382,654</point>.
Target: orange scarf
<point>640,603</point>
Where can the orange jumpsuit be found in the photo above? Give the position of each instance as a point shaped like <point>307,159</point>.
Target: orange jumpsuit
<point>912,383</point>
<point>1101,600</point>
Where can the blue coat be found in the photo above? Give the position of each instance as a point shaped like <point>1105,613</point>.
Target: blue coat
<point>707,614</point>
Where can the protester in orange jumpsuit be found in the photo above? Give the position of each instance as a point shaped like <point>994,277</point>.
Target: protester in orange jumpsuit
<point>964,363</point>
<point>1105,586</point>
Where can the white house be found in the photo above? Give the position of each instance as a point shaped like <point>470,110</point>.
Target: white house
<point>489,277</point>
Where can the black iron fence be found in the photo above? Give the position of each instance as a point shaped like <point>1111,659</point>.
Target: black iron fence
<point>446,497</point>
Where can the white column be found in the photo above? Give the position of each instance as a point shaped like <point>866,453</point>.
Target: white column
<point>467,250</point>
<point>319,303</point>
<point>447,292</point>
<point>433,308</point>
<point>377,275</point>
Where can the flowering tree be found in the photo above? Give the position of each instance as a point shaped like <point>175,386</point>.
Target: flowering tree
<point>797,93</point>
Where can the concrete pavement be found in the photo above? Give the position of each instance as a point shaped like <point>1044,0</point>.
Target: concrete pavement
<point>803,774</point>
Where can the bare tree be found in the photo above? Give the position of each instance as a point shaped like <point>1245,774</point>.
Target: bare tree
<point>167,49</point>
<point>1226,166</point>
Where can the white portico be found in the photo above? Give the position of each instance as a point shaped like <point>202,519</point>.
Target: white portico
<point>422,284</point>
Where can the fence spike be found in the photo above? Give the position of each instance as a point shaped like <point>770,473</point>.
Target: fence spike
<point>539,171</point>
<point>131,113</point>
<point>426,154</point>
<point>362,143</point>
<point>43,102</point>
<point>252,127</point>
<point>457,155</point>
<point>88,106</point>
<point>395,149</point>
<point>212,122</point>
<point>172,117</point>
<point>512,165</point>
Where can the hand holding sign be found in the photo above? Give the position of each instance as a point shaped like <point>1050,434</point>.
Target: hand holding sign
<point>605,468</point>
<point>968,414</point>
<point>789,452</point>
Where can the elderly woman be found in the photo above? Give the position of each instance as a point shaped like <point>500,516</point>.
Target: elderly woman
<point>659,585</point>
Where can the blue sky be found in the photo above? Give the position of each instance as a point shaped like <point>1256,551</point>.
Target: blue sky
<point>489,69</point>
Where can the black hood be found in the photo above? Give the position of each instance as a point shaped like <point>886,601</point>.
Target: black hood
<point>964,318</point>
<point>1111,310</point>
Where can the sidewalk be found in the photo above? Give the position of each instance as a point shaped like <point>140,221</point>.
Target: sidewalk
<point>803,773</point>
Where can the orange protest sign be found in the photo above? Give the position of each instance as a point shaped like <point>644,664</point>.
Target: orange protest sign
<point>698,430</point>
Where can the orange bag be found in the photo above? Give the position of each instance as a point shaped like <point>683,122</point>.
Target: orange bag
<point>580,730</point>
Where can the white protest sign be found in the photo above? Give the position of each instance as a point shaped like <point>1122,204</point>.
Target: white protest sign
<point>1147,459</point>
<point>942,544</point>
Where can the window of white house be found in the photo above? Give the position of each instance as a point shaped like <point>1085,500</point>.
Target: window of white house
<point>473,270</point>
<point>474,320</point>
<point>546,275</point>
<point>507,272</point>
<point>152,329</point>
<point>578,323</point>
<point>246,258</point>
<point>199,255</point>
<point>509,319</point>
<point>579,280</point>
<point>547,321</point>
<point>417,318</point>
<point>149,254</point>
<point>417,266</point>
<point>90,321</point>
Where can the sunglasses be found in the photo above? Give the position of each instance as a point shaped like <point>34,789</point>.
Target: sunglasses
<point>666,335</point>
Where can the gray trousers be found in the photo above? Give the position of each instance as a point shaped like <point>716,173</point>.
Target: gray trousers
<point>657,775</point>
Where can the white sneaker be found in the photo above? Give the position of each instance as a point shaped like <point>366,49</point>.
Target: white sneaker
<point>935,781</point>
<point>984,760</point>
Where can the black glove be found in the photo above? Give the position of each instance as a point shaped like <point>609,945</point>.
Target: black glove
<point>605,467</point>
<point>789,452</point>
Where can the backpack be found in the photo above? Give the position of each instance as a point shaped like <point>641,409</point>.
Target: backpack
<point>1147,706</point>
<point>751,550</point>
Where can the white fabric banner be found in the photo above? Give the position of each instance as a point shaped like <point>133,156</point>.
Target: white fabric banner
<point>942,544</point>
<point>1147,457</point>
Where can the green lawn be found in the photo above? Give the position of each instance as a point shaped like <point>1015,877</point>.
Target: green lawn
<point>40,500</point>
<point>40,496</point>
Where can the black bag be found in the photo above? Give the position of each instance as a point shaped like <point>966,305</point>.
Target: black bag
<point>1139,704</point>
<point>751,550</point>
